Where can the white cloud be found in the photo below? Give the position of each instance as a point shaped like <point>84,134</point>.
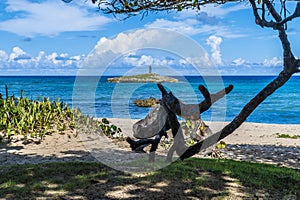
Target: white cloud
<point>240,66</point>
<point>199,60</point>
<point>187,27</point>
<point>49,18</point>
<point>273,62</point>
<point>249,70</point>
<point>223,10</point>
<point>23,63</point>
<point>213,10</point>
<point>3,55</point>
<point>3,59</point>
<point>214,42</point>
<point>107,51</point>
<point>192,26</point>
<point>146,60</point>
<point>238,61</point>
<point>18,55</point>
<point>207,21</point>
<point>142,39</point>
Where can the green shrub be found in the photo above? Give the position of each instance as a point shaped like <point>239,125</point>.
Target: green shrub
<point>23,116</point>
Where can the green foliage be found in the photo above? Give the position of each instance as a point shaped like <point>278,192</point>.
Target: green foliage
<point>216,151</point>
<point>196,128</point>
<point>221,145</point>
<point>110,130</point>
<point>23,116</point>
<point>179,8</point>
<point>287,136</point>
<point>190,127</point>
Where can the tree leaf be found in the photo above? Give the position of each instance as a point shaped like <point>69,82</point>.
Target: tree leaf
<point>221,145</point>
<point>179,8</point>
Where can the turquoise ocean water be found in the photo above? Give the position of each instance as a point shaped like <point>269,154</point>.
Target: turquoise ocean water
<point>101,99</point>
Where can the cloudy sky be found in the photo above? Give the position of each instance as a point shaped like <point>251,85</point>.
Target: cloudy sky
<point>50,37</point>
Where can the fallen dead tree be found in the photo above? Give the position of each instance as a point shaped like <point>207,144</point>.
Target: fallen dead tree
<point>163,117</point>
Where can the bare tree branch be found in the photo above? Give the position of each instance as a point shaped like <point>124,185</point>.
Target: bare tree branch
<point>272,10</point>
<point>193,111</point>
<point>288,57</point>
<point>293,16</point>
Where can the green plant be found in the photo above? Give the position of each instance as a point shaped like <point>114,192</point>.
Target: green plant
<point>23,116</point>
<point>221,145</point>
<point>216,151</point>
<point>87,124</point>
<point>287,136</point>
<point>191,127</point>
<point>110,130</point>
<point>166,143</point>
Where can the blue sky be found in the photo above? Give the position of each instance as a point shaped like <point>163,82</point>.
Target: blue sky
<point>49,37</point>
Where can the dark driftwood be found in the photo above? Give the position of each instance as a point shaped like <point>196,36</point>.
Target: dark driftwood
<point>169,107</point>
<point>193,111</point>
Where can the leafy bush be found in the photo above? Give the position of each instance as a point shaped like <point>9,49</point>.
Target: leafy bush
<point>23,116</point>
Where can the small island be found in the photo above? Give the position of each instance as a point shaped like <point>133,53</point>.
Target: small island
<point>143,78</point>
<point>152,78</point>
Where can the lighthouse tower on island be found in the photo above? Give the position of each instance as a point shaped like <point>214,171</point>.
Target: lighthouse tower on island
<point>150,69</point>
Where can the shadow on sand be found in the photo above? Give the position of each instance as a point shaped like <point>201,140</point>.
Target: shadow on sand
<point>189,179</point>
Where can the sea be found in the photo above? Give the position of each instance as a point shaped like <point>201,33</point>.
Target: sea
<point>98,98</point>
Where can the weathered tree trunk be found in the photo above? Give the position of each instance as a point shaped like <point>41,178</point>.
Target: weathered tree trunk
<point>193,111</point>
<point>163,118</point>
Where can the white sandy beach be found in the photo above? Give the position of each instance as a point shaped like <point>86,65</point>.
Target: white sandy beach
<point>252,141</point>
<point>247,133</point>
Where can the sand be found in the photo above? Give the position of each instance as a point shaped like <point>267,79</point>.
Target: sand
<point>252,142</point>
<point>247,133</point>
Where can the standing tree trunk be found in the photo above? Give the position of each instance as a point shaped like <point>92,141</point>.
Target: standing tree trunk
<point>290,63</point>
